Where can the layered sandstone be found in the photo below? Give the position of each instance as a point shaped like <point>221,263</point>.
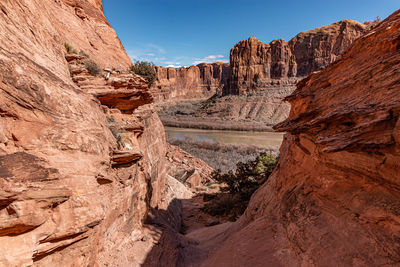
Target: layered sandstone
<point>191,171</point>
<point>334,198</point>
<point>262,75</point>
<point>257,66</point>
<point>195,82</point>
<point>82,158</point>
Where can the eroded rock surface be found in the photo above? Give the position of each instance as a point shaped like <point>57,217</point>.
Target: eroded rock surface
<point>79,169</point>
<point>195,82</point>
<point>261,75</point>
<point>334,197</point>
<point>257,66</point>
<point>191,171</point>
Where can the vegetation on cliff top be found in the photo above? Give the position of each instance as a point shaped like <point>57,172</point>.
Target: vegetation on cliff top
<point>146,70</point>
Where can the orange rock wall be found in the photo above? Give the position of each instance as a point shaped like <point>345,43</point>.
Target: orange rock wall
<point>334,197</point>
<point>256,66</point>
<point>195,82</point>
<point>62,201</point>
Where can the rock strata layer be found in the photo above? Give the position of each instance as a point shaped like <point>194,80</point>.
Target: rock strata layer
<point>257,66</point>
<point>195,82</point>
<point>334,197</point>
<point>260,76</point>
<point>82,156</point>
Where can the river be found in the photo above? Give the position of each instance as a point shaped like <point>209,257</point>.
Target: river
<point>262,139</point>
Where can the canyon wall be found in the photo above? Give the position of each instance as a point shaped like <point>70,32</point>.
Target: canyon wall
<point>256,66</point>
<point>260,77</point>
<point>195,82</point>
<point>82,158</point>
<point>334,198</point>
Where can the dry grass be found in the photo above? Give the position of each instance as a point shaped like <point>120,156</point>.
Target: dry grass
<point>221,156</point>
<point>188,121</point>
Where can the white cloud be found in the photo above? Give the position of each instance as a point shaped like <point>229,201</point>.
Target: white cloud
<point>173,66</point>
<point>210,59</point>
<point>160,58</point>
<point>148,52</point>
<point>171,63</point>
<point>157,48</point>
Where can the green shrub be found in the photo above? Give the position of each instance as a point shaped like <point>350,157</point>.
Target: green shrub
<point>70,49</point>
<point>146,70</point>
<point>240,186</point>
<point>92,67</point>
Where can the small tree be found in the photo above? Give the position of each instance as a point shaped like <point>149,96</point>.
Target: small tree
<point>378,19</point>
<point>146,70</point>
<point>240,185</point>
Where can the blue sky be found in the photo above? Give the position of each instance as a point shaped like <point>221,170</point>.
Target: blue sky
<point>186,32</point>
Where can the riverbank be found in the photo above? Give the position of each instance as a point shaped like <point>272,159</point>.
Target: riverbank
<point>212,123</point>
<point>255,112</point>
<point>224,149</point>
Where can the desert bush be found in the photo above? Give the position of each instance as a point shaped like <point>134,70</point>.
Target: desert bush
<point>378,19</point>
<point>248,176</point>
<point>82,53</point>
<point>110,120</point>
<point>145,69</point>
<point>70,49</point>
<point>240,186</point>
<point>190,120</point>
<point>209,102</point>
<point>115,133</point>
<point>92,67</point>
<point>219,155</point>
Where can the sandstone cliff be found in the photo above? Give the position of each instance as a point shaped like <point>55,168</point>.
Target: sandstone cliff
<point>334,198</point>
<point>262,75</point>
<point>256,66</point>
<point>195,82</point>
<point>82,158</point>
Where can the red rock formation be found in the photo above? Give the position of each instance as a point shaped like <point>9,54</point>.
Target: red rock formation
<point>334,198</point>
<point>195,82</point>
<point>262,75</point>
<point>120,90</point>
<point>191,171</point>
<point>71,193</point>
<point>256,66</point>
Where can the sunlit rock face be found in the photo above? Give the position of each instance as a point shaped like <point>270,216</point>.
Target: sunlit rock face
<point>79,169</point>
<point>259,75</point>
<point>334,197</point>
<point>194,82</point>
<point>257,66</point>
